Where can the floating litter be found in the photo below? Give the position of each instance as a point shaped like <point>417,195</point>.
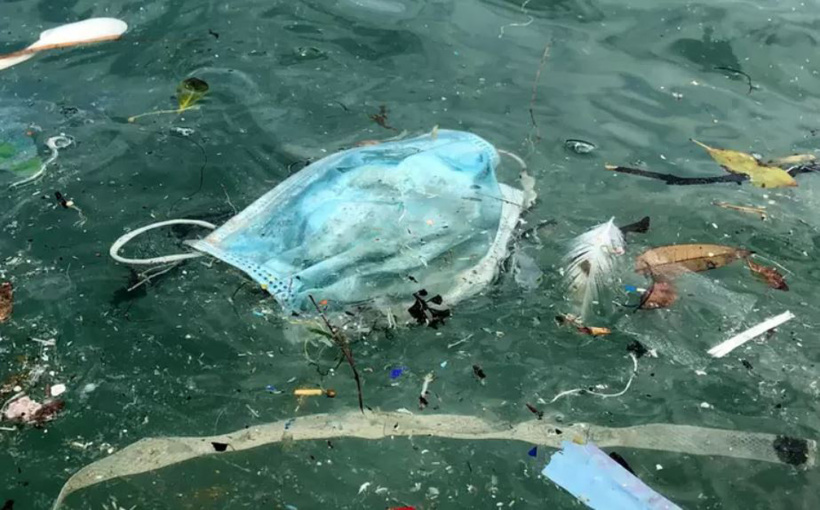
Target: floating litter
<point>600,482</point>
<point>579,146</point>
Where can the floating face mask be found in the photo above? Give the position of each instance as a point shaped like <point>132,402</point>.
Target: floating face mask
<point>375,224</point>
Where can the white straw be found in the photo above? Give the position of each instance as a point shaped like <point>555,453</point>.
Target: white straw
<point>733,343</point>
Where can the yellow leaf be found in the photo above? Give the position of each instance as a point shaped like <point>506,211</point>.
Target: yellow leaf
<point>190,91</point>
<point>742,163</point>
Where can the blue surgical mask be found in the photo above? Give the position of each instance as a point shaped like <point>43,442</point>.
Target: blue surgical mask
<point>371,222</point>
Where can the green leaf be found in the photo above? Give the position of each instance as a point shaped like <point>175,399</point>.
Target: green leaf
<point>190,91</point>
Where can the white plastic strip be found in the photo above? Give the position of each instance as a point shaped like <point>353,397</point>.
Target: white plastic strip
<point>733,343</point>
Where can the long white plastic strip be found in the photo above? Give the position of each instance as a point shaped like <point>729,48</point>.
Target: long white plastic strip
<point>736,341</point>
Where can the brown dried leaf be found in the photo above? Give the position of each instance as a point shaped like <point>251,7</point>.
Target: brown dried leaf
<point>770,275</point>
<point>661,294</point>
<point>679,258</point>
<point>6,300</point>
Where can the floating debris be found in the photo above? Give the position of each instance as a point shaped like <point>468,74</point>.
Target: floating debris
<point>733,343</point>
<point>6,301</point>
<point>314,392</point>
<point>600,482</point>
<point>88,31</point>
<point>579,146</point>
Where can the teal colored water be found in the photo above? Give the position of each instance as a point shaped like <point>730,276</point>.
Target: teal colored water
<point>192,353</point>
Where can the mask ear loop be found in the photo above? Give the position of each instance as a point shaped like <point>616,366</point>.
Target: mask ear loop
<point>518,159</point>
<point>167,259</point>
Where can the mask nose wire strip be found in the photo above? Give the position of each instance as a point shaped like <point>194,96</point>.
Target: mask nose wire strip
<point>122,241</point>
<point>518,159</point>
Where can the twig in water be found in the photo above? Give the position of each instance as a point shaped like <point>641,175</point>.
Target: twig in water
<point>603,395</point>
<point>748,78</point>
<point>535,91</point>
<point>344,346</point>
<point>149,274</point>
<point>450,346</point>
<point>201,171</point>
<point>743,208</point>
<point>228,198</point>
<point>679,181</point>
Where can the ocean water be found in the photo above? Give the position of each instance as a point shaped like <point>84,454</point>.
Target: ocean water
<point>194,352</point>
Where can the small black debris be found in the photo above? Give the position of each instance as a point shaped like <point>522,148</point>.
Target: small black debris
<point>620,460</point>
<point>8,505</point>
<point>220,447</point>
<point>637,348</point>
<point>479,372</point>
<point>791,450</point>
<point>424,313</point>
<point>747,364</point>
<point>536,412</point>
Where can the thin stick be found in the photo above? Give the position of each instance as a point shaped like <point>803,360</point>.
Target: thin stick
<point>341,341</point>
<point>162,112</point>
<point>748,78</point>
<point>535,91</point>
<point>743,208</point>
<point>679,181</point>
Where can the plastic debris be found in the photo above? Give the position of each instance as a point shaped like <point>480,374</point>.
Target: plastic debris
<point>736,341</point>
<point>424,390</point>
<point>574,391</point>
<point>533,452</point>
<point>600,482</point>
<point>151,454</point>
<point>396,372</point>
<point>22,409</point>
<point>579,146</point>
<point>57,389</point>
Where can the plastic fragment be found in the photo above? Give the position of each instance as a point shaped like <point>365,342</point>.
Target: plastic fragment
<point>736,341</point>
<point>58,389</point>
<point>533,452</point>
<point>396,373</point>
<point>579,146</point>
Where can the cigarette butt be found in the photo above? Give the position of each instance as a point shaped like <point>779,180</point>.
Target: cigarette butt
<point>313,392</point>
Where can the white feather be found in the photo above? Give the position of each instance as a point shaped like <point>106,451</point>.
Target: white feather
<point>589,262</point>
